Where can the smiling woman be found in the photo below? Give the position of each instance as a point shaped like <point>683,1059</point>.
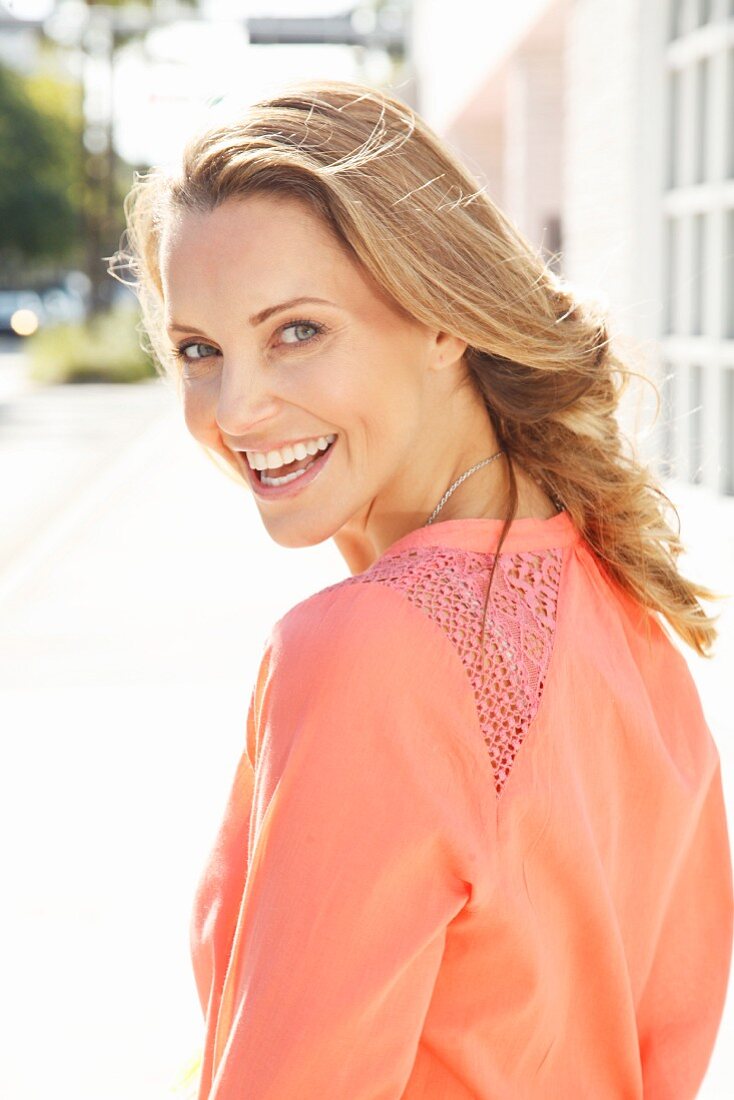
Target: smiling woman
<point>429,880</point>
<point>358,368</point>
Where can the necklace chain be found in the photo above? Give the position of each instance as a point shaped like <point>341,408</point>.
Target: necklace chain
<point>456,484</point>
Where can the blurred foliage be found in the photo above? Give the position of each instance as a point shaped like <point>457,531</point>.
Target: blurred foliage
<point>125,3</point>
<point>104,349</point>
<point>40,182</point>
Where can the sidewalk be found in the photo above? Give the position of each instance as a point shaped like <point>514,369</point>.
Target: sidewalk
<point>131,632</point>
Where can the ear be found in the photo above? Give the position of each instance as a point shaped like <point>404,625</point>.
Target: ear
<point>445,349</point>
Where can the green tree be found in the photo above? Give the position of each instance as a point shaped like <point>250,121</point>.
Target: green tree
<point>40,184</point>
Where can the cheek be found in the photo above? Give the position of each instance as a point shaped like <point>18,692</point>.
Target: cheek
<point>198,408</point>
<point>352,383</point>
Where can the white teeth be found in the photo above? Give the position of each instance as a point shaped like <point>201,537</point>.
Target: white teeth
<point>274,459</point>
<point>286,477</point>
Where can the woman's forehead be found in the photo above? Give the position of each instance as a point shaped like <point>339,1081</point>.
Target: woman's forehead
<point>249,218</point>
<point>253,240</point>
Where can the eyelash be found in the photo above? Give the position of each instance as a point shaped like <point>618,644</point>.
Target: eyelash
<point>180,351</point>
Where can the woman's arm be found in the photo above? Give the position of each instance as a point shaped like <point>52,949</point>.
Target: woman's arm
<point>681,1008</point>
<point>356,854</point>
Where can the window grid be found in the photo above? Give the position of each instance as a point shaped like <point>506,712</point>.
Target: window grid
<point>727,419</point>
<point>729,108</point>
<point>698,213</point>
<point>696,424</point>
<point>666,414</point>
<point>729,276</point>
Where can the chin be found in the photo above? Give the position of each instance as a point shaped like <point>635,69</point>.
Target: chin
<point>295,536</point>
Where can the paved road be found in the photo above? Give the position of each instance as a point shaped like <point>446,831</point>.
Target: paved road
<point>132,616</point>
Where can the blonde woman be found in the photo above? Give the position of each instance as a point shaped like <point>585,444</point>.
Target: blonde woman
<point>476,845</point>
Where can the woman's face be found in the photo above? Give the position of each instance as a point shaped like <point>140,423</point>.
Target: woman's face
<point>258,374</point>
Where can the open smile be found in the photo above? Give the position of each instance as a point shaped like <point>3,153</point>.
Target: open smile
<point>294,483</point>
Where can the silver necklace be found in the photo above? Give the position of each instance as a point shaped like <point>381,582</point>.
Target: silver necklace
<point>456,484</point>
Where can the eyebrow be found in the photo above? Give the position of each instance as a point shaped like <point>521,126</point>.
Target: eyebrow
<point>257,318</point>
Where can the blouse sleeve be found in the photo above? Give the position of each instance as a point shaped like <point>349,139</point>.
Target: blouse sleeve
<point>358,856</point>
<point>680,1011</point>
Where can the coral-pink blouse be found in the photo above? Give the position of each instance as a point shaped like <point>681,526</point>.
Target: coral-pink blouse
<point>438,879</point>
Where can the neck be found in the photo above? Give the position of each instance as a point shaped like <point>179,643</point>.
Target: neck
<point>484,495</point>
<point>459,481</point>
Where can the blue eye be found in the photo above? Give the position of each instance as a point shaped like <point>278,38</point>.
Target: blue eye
<point>180,353</point>
<point>318,331</point>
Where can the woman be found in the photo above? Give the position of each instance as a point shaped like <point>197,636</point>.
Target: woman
<point>476,844</point>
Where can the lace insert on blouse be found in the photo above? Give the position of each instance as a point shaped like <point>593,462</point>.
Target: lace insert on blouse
<point>449,585</point>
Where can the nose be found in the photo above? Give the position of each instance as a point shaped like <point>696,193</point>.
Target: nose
<point>244,399</point>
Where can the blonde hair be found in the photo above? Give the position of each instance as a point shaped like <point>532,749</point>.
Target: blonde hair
<point>414,216</point>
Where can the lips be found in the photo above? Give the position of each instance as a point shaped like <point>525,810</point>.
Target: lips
<point>290,488</point>
<point>288,467</point>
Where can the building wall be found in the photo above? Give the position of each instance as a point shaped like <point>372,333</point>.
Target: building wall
<point>607,129</point>
<point>534,143</point>
<point>600,162</point>
<point>697,283</point>
<point>458,45</point>
<point>511,129</point>
<point>611,192</point>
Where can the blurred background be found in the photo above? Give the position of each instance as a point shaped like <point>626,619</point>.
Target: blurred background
<point>136,584</point>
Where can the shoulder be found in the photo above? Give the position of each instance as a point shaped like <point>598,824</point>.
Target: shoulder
<point>357,672</point>
<point>431,601</point>
<point>359,646</point>
<point>356,623</point>
<point>365,649</point>
<point>402,643</point>
<point>403,596</point>
<point>381,597</point>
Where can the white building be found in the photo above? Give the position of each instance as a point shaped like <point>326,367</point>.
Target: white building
<point>606,130</point>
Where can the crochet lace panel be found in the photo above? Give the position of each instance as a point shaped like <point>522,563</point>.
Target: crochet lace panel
<point>450,586</point>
